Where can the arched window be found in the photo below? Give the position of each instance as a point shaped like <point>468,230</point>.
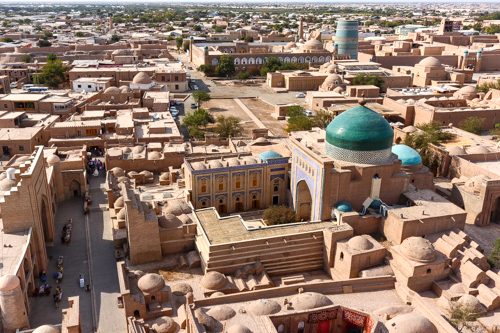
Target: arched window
<point>276,188</point>
<point>221,201</point>
<point>203,203</point>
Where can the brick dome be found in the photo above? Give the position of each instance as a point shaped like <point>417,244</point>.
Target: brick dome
<point>360,243</point>
<point>163,324</point>
<point>310,300</point>
<point>238,329</point>
<point>119,203</point>
<point>213,280</point>
<point>141,78</point>
<point>410,323</point>
<point>151,283</point>
<point>9,282</point>
<point>53,159</point>
<point>47,329</point>
<point>418,249</point>
<point>264,307</point>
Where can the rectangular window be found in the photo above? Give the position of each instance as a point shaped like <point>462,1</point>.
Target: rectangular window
<point>176,87</point>
<point>254,182</point>
<point>79,86</point>
<point>89,86</point>
<point>91,131</point>
<point>163,78</point>
<point>238,184</point>
<point>21,148</point>
<point>203,189</point>
<point>5,105</point>
<point>221,187</point>
<point>176,78</point>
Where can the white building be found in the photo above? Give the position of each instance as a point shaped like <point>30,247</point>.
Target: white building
<point>90,84</point>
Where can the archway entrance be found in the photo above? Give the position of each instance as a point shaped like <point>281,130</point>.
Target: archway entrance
<point>75,188</point>
<point>255,202</point>
<point>495,212</point>
<point>44,213</point>
<point>304,201</point>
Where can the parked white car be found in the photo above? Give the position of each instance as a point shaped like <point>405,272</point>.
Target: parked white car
<point>177,102</point>
<point>308,113</point>
<point>195,87</point>
<point>301,95</point>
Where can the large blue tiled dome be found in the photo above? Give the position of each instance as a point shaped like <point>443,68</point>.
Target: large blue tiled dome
<point>407,155</point>
<point>359,135</point>
<point>269,154</point>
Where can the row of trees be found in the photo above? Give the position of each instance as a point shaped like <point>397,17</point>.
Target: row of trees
<point>299,121</point>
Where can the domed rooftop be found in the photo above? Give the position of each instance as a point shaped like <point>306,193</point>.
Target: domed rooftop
<point>126,150</point>
<point>121,214</point>
<point>476,182</point>
<point>410,323</point>
<point>410,129</point>
<point>375,204</point>
<point>264,307</point>
<point>169,221</point>
<point>126,90</point>
<point>213,280</point>
<point>478,150</point>
<point>310,300</point>
<point>9,282</point>
<point>180,289</point>
<point>118,172</point>
<point>338,90</point>
<point>154,155</point>
<point>233,162</point>
<point>418,249</point>
<point>119,203</point>
<point>344,207</point>
<point>146,173</point>
<point>332,79</point>
<point>290,45</point>
<point>177,207</point>
<point>456,150</point>
<point>250,160</point>
<point>138,149</point>
<point>360,243</point>
<point>471,302</point>
<point>238,329</point>
<point>6,184</point>
<point>407,155</point>
<point>261,139</point>
<point>468,90</point>
<point>215,164</point>
<point>221,312</point>
<point>151,283</point>
<point>347,138</point>
<point>269,154</point>
<point>163,324</point>
<point>312,44</point>
<point>141,78</point>
<point>53,159</point>
<point>46,329</point>
<point>112,90</point>
<point>198,166</point>
<point>430,62</point>
<point>185,219</point>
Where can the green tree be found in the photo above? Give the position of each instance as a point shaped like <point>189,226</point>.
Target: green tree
<point>242,76</point>
<point>7,40</point>
<point>52,57</point>
<point>429,134</point>
<point>228,126</point>
<point>494,257</point>
<point>226,64</point>
<point>218,29</point>
<point>53,73</point>
<point>463,316</point>
<point>364,79</point>
<point>273,64</point>
<point>115,38</point>
<point>485,87</point>
<point>48,34</point>
<point>322,119</point>
<point>206,68</point>
<point>494,29</point>
<point>278,215</point>
<point>79,34</point>
<point>249,39</point>
<point>196,28</point>
<point>185,46</point>
<point>297,120</point>
<point>26,58</point>
<point>194,120</point>
<point>44,43</point>
<point>472,124</point>
<point>200,97</point>
<point>178,42</point>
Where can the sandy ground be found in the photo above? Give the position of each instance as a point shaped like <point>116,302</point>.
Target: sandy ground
<point>228,107</point>
<point>264,111</point>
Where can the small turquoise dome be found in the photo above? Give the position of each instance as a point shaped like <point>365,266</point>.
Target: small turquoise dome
<point>360,129</point>
<point>344,207</point>
<point>407,155</point>
<point>205,48</point>
<point>375,204</point>
<point>269,154</point>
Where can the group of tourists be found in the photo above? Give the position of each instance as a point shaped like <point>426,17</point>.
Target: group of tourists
<point>66,232</point>
<point>93,167</point>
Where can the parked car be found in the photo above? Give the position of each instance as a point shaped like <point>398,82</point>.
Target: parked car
<point>195,87</point>
<point>172,102</point>
<point>13,85</point>
<point>177,102</point>
<point>308,113</point>
<point>300,95</point>
<point>193,105</point>
<point>174,113</point>
<point>193,81</point>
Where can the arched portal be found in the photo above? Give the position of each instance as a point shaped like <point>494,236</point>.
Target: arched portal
<point>47,225</point>
<point>304,201</point>
<point>74,188</point>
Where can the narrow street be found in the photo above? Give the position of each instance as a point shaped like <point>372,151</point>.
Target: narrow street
<point>99,311</point>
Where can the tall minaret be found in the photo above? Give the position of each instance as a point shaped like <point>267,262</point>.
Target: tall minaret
<point>110,22</point>
<point>301,29</point>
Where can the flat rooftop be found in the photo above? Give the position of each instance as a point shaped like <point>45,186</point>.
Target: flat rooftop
<point>24,97</point>
<point>229,229</point>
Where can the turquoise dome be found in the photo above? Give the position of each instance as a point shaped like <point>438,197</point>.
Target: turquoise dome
<point>407,155</point>
<point>360,129</point>
<point>344,207</point>
<point>375,204</point>
<point>269,154</point>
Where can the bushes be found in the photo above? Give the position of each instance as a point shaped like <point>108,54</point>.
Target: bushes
<point>279,215</point>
